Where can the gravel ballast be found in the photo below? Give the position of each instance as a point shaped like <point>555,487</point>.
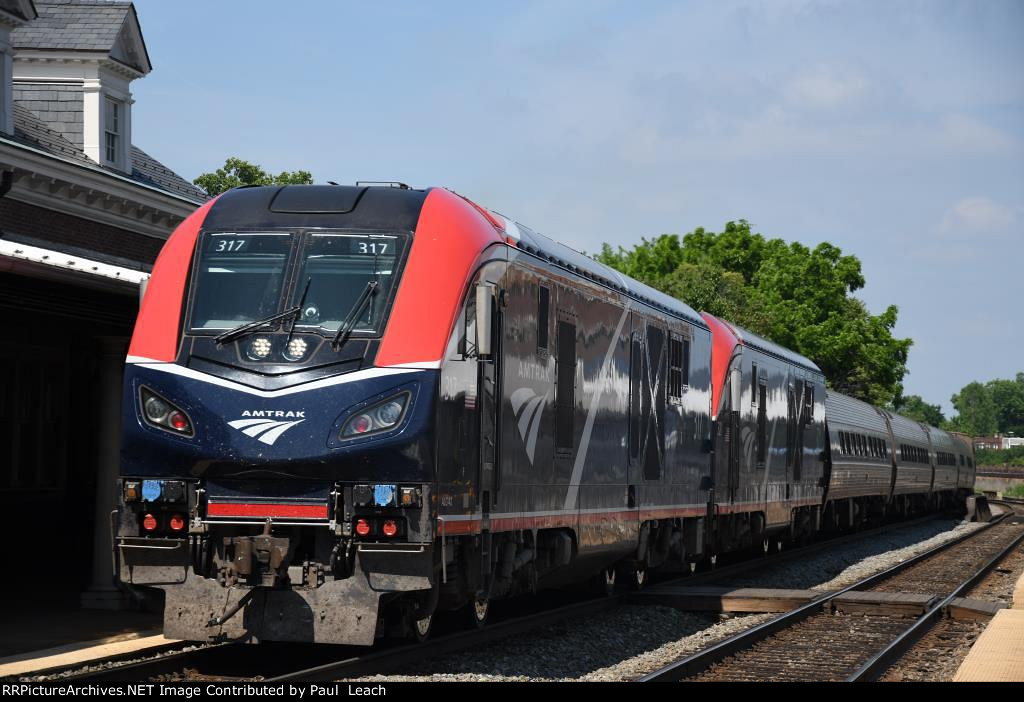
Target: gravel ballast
<point>633,640</point>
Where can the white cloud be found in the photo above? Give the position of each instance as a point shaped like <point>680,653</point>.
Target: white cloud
<point>826,88</point>
<point>967,135</point>
<point>978,216</point>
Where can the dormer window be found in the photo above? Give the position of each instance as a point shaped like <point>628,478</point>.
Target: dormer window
<point>112,145</point>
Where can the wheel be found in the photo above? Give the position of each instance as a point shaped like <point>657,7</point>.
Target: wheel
<point>479,610</point>
<point>603,584</point>
<point>420,628</point>
<point>639,579</point>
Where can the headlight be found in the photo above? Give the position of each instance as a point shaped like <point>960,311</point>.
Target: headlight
<point>380,417</point>
<point>161,414</point>
<point>259,348</point>
<point>295,350</point>
<point>156,409</point>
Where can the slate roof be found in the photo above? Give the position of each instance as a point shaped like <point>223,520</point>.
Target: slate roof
<point>30,130</point>
<point>92,25</point>
<point>147,169</point>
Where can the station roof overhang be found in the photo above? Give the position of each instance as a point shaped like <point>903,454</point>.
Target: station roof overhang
<point>69,186</point>
<point>52,264</point>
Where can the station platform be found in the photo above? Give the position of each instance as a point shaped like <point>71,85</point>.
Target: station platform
<point>38,626</point>
<point>998,654</point>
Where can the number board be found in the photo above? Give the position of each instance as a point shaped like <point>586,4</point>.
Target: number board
<point>245,244</point>
<point>371,247</point>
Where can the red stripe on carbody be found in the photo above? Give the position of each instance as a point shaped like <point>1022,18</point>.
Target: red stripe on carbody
<point>265,509</point>
<point>573,519</point>
<point>159,320</point>
<point>450,236</point>
<point>723,342</point>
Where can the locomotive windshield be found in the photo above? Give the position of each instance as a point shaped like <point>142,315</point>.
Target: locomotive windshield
<point>338,267</point>
<point>241,277</point>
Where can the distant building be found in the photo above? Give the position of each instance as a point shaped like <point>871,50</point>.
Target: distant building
<point>83,214</point>
<point>997,442</point>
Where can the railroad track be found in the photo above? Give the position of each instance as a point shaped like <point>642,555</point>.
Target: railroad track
<point>311,663</point>
<point>813,643</point>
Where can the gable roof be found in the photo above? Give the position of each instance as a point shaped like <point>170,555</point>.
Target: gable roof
<point>107,26</point>
<point>22,9</point>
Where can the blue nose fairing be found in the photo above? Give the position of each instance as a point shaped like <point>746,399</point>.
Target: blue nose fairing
<point>296,429</point>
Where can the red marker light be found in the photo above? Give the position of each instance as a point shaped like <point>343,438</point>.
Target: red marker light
<point>177,522</point>
<point>362,424</point>
<point>362,527</point>
<point>149,522</point>
<point>178,420</point>
<point>390,528</point>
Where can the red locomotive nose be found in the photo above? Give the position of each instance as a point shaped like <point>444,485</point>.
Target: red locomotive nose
<point>362,527</point>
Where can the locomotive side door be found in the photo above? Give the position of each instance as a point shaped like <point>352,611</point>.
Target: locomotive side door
<point>636,361</point>
<point>490,332</point>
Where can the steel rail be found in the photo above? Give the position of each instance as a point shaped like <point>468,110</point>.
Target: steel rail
<point>876,666</point>
<point>705,658</point>
<point>395,656</point>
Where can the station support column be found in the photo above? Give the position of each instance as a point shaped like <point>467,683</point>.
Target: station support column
<point>102,592</point>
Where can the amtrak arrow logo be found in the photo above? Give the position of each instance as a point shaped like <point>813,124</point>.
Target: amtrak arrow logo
<point>265,430</point>
<point>528,407</point>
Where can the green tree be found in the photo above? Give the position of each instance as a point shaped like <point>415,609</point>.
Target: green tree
<point>237,173</point>
<point>995,407</point>
<point>976,412</point>
<point>796,296</point>
<point>914,407</point>
<point>1008,398</point>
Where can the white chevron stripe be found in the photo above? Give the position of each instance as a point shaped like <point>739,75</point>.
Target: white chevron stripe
<point>271,436</point>
<point>258,429</point>
<point>243,423</point>
<point>527,415</point>
<point>531,443</point>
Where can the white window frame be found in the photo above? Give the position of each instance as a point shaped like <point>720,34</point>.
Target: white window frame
<point>113,126</point>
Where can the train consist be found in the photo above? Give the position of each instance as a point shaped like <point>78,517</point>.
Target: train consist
<point>348,408</point>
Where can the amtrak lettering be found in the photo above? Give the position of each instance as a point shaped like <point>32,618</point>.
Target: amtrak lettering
<point>534,371</point>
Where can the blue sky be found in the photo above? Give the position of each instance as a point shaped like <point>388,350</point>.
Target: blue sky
<point>892,129</point>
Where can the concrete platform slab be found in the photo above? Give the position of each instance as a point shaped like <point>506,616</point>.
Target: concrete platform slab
<point>81,653</point>
<point>998,654</point>
<point>34,623</point>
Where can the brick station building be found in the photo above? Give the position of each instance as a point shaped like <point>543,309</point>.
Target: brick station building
<point>83,214</point>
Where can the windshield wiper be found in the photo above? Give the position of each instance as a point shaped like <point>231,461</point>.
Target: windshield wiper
<point>302,303</point>
<point>353,316</point>
<point>293,312</point>
<point>259,323</point>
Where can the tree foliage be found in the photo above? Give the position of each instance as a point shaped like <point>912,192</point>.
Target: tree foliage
<point>995,407</point>
<point>914,407</point>
<point>1000,457</point>
<point>237,173</point>
<point>795,296</point>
